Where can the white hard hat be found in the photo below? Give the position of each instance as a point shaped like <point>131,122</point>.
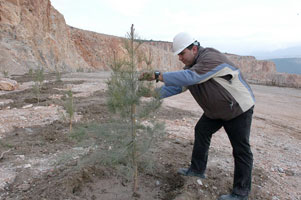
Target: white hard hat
<point>181,41</point>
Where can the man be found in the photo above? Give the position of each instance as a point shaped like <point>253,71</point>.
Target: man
<point>227,100</point>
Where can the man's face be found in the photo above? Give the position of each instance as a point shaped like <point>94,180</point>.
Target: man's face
<point>188,56</point>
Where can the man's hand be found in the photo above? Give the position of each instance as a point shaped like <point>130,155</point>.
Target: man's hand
<point>147,76</point>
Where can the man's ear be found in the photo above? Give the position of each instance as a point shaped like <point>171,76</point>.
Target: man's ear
<point>195,49</point>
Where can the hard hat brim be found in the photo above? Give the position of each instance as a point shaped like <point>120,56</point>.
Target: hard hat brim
<point>179,51</point>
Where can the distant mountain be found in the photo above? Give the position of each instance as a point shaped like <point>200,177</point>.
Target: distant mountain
<point>291,52</point>
<point>288,65</point>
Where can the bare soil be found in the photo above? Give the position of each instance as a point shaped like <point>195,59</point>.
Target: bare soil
<point>39,159</point>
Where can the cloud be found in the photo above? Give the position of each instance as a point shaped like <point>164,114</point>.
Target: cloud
<point>232,24</point>
<point>128,7</point>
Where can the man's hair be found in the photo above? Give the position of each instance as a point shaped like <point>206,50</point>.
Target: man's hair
<point>195,43</point>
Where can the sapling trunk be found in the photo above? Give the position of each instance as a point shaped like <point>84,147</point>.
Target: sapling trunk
<point>133,113</point>
<point>134,149</point>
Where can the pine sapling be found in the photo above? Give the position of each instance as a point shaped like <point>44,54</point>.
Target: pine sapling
<point>38,82</point>
<point>69,107</point>
<point>5,73</point>
<point>58,74</point>
<point>134,133</point>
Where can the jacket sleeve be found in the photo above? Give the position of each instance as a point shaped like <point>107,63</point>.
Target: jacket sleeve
<point>196,75</point>
<point>186,77</point>
<point>167,91</point>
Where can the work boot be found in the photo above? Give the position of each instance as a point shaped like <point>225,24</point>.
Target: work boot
<point>190,172</point>
<point>232,197</point>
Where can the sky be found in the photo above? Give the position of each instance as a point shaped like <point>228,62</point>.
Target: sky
<point>233,26</point>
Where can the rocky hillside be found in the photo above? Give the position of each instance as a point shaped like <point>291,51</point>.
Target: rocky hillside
<point>98,49</point>
<point>34,34</point>
<point>264,72</point>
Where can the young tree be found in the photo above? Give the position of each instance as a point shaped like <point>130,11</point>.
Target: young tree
<point>136,128</point>
<point>38,82</point>
<point>69,106</point>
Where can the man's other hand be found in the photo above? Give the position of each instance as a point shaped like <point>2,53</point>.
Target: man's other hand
<point>147,76</point>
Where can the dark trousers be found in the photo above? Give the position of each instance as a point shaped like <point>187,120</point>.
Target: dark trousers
<point>238,131</point>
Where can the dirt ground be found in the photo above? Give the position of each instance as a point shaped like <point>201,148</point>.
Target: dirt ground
<point>40,161</point>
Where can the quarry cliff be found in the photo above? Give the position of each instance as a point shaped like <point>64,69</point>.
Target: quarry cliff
<point>34,34</point>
